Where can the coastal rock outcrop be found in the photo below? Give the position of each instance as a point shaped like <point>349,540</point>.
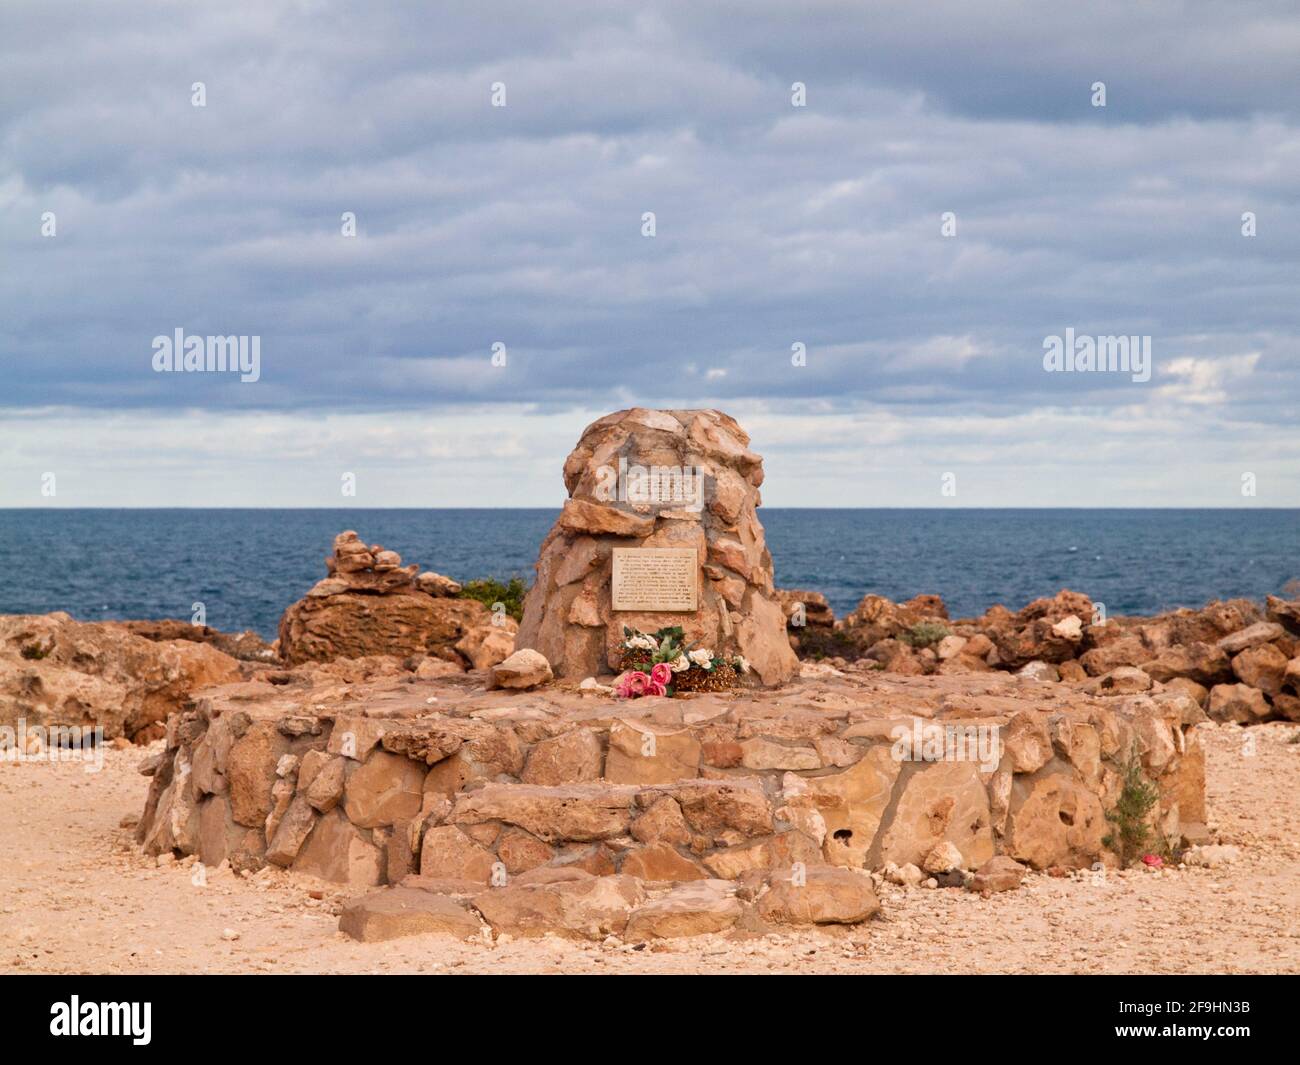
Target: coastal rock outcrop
<point>1231,659</point>
<point>55,671</point>
<point>658,479</point>
<point>370,604</point>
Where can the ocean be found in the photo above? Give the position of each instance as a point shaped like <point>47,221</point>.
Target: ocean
<point>246,566</point>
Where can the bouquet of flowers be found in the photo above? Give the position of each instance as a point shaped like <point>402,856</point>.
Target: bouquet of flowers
<point>663,663</point>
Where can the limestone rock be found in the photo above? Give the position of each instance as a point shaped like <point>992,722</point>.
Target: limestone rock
<point>336,850</point>
<point>590,908</point>
<point>771,852</point>
<point>823,895</point>
<point>448,852</point>
<point>387,788</point>
<point>662,823</point>
<point>436,585</point>
<point>488,644</point>
<point>522,670</point>
<point>695,909</point>
<point>1202,662</point>
<point>402,911</point>
<point>1053,820</point>
<point>659,862</point>
<point>291,833</point>
<point>999,873</point>
<point>575,812</point>
<point>714,806</point>
<point>372,605</point>
<point>641,753</point>
<point>852,804</point>
<point>573,757</point>
<point>1261,632</point>
<point>56,671</point>
<point>1237,702</point>
<point>941,801</point>
<point>520,851</point>
<point>326,786</point>
<point>1262,667</point>
<point>943,858</point>
<point>1123,680</point>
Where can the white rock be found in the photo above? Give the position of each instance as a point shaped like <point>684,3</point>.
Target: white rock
<point>943,858</point>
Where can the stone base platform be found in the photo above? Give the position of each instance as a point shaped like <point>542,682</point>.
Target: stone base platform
<point>567,810</point>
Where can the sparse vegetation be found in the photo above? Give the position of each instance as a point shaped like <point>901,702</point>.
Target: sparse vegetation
<point>1133,833</point>
<point>489,590</point>
<point>924,634</point>
<point>35,651</point>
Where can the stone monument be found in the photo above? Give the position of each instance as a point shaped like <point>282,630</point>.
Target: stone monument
<point>660,529</point>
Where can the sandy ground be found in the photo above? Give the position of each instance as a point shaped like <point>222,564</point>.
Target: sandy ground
<point>76,897</point>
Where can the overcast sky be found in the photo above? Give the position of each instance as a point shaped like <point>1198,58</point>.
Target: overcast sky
<point>774,225</point>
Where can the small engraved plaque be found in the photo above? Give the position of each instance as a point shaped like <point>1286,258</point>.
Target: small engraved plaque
<point>656,579</point>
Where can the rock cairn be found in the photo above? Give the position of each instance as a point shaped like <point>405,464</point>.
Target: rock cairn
<point>371,604</point>
<point>568,614</point>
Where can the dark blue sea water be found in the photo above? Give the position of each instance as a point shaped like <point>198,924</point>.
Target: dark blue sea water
<point>246,566</point>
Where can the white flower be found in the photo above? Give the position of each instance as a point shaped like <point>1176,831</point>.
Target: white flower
<point>702,658</point>
<point>680,664</point>
<point>642,643</point>
<point>741,664</point>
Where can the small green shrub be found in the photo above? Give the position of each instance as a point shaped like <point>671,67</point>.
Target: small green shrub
<point>924,633</point>
<point>490,591</point>
<point>1132,832</point>
<point>35,651</point>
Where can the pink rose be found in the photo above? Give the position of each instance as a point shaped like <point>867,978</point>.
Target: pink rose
<point>1153,860</point>
<point>662,674</point>
<point>655,688</point>
<point>633,685</point>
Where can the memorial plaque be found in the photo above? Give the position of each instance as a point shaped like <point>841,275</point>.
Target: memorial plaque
<point>656,579</point>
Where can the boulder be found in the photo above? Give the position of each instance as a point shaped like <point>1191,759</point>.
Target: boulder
<point>524,669</point>
<point>1237,702</point>
<point>688,910</point>
<point>403,911</point>
<point>1202,662</point>
<point>1123,680</point>
<point>646,478</point>
<point>999,873</point>
<point>662,823</point>
<point>1285,613</point>
<point>485,646</point>
<point>1262,666</point>
<point>943,858</point>
<point>820,895</point>
<point>803,609</point>
<point>1053,819</point>
<point>592,907</point>
<point>1261,632</point>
